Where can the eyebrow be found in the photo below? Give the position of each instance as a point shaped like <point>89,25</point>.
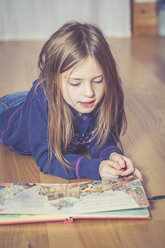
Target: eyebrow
<point>81,78</point>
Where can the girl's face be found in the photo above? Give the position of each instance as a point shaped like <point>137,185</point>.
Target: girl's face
<point>83,88</point>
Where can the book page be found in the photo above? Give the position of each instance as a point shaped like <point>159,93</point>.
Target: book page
<point>73,198</point>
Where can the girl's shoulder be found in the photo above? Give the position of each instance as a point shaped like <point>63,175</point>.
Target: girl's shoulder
<point>36,97</point>
<point>37,92</point>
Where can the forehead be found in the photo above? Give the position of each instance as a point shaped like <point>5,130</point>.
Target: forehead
<point>88,68</point>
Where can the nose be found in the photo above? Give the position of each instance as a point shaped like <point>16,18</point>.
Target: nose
<point>88,90</point>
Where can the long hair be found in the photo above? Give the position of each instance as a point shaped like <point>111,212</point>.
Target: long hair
<point>65,49</point>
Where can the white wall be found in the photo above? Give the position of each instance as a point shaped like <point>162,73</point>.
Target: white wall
<point>38,19</point>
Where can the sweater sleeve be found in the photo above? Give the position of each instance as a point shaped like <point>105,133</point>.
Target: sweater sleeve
<point>80,166</point>
<point>103,151</point>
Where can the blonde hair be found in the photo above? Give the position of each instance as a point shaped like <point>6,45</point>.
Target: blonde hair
<point>64,50</point>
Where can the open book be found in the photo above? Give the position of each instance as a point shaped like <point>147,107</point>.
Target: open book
<point>38,202</point>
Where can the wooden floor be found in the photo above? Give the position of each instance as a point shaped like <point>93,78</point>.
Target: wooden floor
<point>141,62</point>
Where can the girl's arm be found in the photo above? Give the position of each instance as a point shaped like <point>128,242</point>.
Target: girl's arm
<point>80,166</point>
<point>104,151</point>
<point>114,163</point>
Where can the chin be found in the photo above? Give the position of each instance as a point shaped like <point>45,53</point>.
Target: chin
<point>87,111</point>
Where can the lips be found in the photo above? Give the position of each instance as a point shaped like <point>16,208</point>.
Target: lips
<point>87,104</point>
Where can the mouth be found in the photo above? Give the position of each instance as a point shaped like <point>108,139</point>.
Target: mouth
<point>87,104</point>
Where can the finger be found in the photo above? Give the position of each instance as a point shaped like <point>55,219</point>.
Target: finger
<point>110,171</point>
<point>107,170</point>
<point>129,167</point>
<point>110,177</point>
<point>138,174</point>
<point>115,164</point>
<point>122,163</point>
<point>109,174</point>
<point>118,158</point>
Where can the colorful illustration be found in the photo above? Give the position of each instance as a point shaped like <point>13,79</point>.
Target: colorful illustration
<point>84,197</point>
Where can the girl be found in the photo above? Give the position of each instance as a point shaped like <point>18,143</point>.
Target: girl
<point>76,103</point>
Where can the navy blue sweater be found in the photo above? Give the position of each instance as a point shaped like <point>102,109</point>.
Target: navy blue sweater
<point>23,129</point>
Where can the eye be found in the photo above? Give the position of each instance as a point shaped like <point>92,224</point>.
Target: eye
<point>74,84</point>
<point>98,81</point>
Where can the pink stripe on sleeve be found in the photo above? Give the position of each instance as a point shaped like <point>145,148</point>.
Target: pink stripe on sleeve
<point>106,149</point>
<point>10,147</point>
<point>9,121</point>
<point>77,166</point>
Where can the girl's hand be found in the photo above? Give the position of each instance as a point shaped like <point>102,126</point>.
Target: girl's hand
<point>126,165</point>
<point>110,169</point>
<point>117,165</point>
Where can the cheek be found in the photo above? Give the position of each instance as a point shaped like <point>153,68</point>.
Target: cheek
<point>65,93</point>
<point>100,91</point>
<point>71,95</point>
<point>74,92</point>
